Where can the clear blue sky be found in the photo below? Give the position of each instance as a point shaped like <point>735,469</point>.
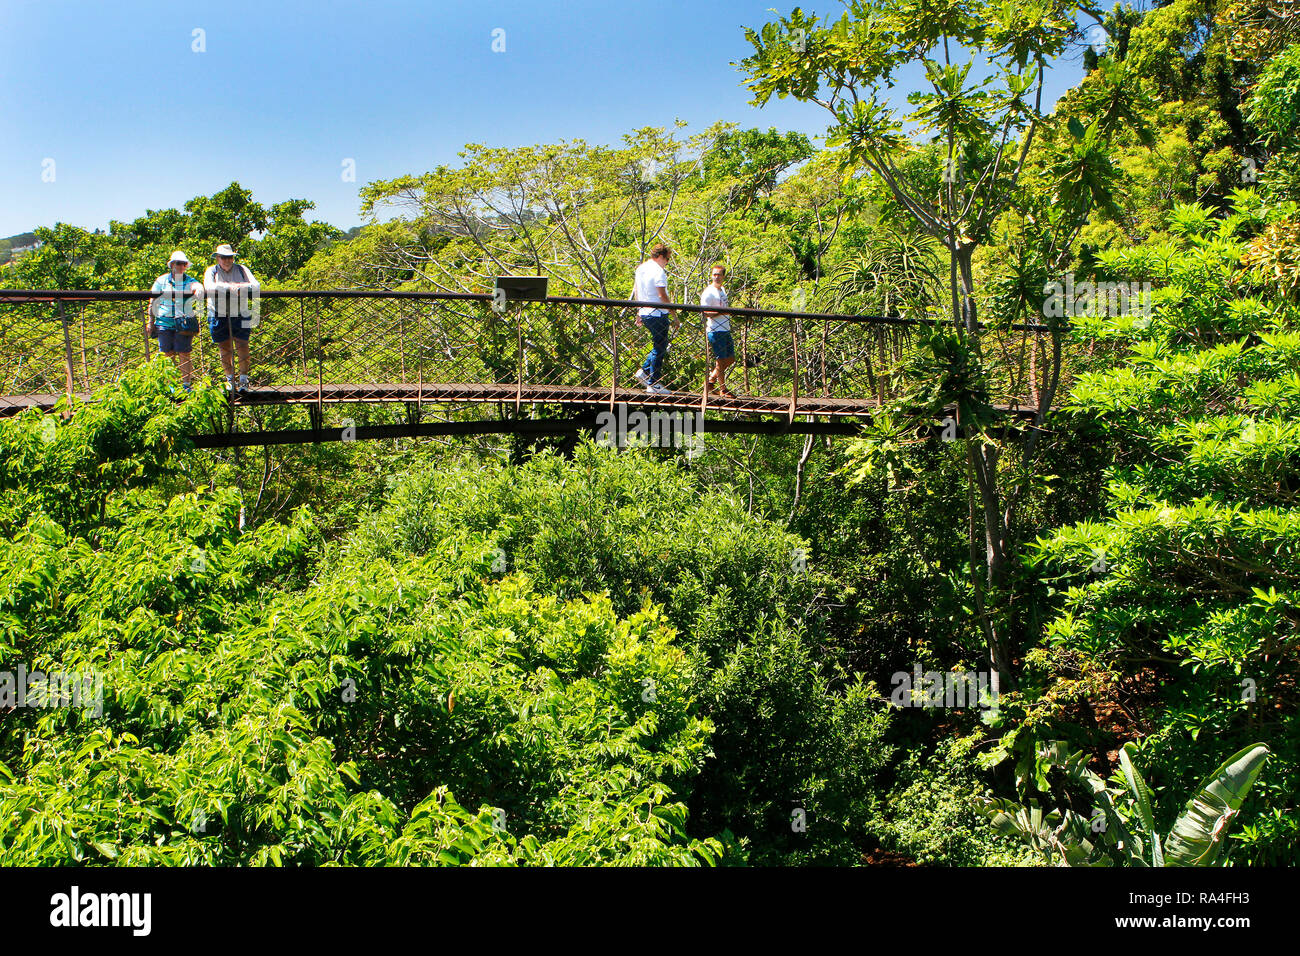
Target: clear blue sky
<point>113,92</point>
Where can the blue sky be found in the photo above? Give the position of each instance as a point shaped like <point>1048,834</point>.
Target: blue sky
<point>115,95</point>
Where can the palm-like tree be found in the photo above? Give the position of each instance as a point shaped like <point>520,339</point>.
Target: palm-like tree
<point>894,273</point>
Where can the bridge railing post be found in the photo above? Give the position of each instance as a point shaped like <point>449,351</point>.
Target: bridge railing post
<point>519,358</point>
<point>302,337</point>
<point>144,325</point>
<point>744,351</point>
<point>85,365</point>
<point>615,316</point>
<point>704,389</point>
<point>401,336</point>
<point>320,371</point>
<point>200,369</point>
<point>826,382</point>
<point>794,380</point>
<point>67,349</point>
<point>419,365</point>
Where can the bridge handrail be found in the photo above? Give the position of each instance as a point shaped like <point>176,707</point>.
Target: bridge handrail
<point>15,296</point>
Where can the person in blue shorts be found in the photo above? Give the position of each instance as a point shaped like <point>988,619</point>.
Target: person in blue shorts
<point>233,310</point>
<point>172,316</point>
<point>718,330</point>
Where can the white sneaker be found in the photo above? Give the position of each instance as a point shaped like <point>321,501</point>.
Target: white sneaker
<point>642,377</point>
<point>657,389</point>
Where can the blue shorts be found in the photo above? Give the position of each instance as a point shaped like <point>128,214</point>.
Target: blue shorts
<point>722,345</point>
<point>170,340</point>
<point>222,327</point>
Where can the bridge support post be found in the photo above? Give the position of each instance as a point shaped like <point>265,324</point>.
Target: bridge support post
<point>826,382</point>
<point>704,389</point>
<point>613,377</point>
<point>85,366</point>
<point>401,336</point>
<point>302,338</point>
<point>67,350</point>
<point>794,385</point>
<point>320,373</point>
<point>413,410</point>
<point>419,366</point>
<point>744,351</point>
<point>519,360</point>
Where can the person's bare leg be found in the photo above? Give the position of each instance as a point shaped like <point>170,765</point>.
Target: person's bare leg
<point>245,358</point>
<point>227,359</point>
<point>722,366</point>
<point>185,365</point>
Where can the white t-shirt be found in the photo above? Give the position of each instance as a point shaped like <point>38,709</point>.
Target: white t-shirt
<point>717,298</point>
<point>650,277</point>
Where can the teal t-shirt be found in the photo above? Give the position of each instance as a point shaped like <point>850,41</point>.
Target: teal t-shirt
<point>177,300</point>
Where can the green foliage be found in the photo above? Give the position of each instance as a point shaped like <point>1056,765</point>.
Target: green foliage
<point>127,436</point>
<point>267,702</point>
<point>756,158</point>
<point>933,813</point>
<point>1115,833</point>
<point>612,659</point>
<point>131,255</point>
<point>1198,502</point>
<point>892,274</point>
<point>640,531</point>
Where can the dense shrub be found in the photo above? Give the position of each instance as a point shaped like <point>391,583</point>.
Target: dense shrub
<point>790,734</point>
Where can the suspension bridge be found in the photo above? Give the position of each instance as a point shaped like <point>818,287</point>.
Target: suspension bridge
<point>466,363</point>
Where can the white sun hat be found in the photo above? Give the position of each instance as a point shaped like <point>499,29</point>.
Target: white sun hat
<point>224,250</point>
<point>178,256</point>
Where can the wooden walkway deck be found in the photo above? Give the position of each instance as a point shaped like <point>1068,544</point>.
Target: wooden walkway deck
<point>451,394</point>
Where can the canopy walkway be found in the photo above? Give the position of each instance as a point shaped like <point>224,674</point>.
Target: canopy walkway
<point>479,365</point>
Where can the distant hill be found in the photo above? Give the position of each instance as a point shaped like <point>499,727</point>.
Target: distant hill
<point>15,242</point>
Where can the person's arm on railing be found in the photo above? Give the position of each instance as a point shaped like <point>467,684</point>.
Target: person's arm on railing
<point>212,285</point>
<point>194,296</point>
<point>151,304</point>
<point>220,290</point>
<point>254,296</point>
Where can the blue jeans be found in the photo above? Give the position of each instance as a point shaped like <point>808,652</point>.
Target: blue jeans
<point>657,326</point>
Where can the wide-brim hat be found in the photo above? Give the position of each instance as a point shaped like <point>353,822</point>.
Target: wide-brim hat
<point>178,256</point>
<point>224,250</point>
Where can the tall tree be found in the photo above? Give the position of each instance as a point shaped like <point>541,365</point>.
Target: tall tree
<point>980,107</point>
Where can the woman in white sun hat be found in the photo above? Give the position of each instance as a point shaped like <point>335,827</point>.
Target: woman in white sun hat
<point>172,313</point>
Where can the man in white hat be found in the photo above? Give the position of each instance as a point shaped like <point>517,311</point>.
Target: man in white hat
<point>233,310</point>
<point>172,313</point>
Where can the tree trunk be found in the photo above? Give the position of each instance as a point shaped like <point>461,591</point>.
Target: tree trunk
<point>982,474</point>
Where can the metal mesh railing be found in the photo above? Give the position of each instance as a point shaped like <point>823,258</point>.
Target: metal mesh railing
<point>380,346</point>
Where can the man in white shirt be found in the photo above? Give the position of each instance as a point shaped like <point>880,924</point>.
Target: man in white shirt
<point>651,285</point>
<point>718,330</point>
<point>232,311</point>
